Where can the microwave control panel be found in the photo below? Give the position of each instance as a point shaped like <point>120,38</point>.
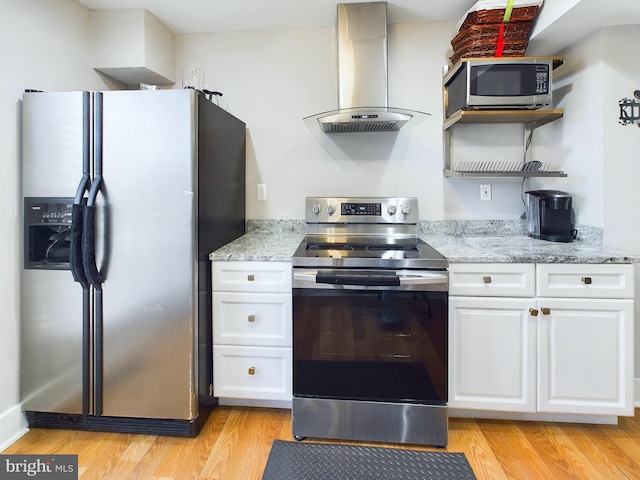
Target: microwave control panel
<point>542,79</point>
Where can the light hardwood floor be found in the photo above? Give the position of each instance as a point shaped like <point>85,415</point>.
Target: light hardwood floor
<point>235,443</point>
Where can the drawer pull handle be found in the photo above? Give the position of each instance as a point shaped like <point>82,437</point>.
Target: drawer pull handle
<point>546,311</point>
<point>252,371</point>
<point>533,312</point>
<point>251,277</point>
<point>586,280</point>
<point>251,318</point>
<point>486,279</point>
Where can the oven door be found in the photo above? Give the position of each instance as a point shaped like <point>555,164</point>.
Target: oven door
<point>370,335</point>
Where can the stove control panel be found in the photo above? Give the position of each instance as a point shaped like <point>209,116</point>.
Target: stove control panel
<point>401,210</point>
<point>361,209</point>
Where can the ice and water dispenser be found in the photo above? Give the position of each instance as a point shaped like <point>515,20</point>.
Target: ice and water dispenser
<point>47,233</point>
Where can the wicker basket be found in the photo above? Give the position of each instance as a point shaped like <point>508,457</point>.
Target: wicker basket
<point>488,49</point>
<point>518,31</point>
<point>520,14</point>
<point>478,35</point>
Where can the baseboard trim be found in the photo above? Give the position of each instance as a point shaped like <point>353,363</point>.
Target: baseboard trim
<point>13,425</point>
<point>636,392</point>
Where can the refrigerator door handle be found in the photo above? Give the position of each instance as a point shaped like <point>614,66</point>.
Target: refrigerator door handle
<point>77,222</point>
<point>75,252</point>
<point>89,211</point>
<point>94,277</point>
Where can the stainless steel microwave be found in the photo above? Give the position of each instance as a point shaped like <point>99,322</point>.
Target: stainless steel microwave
<point>498,83</point>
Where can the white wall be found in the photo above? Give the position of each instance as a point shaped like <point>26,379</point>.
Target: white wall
<point>578,141</point>
<point>602,154</point>
<point>621,151</point>
<point>272,79</point>
<point>44,44</point>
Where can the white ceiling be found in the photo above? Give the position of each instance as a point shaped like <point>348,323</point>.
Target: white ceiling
<point>561,22</point>
<point>193,16</point>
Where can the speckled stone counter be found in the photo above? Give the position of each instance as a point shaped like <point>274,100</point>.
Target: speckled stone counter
<point>522,249</point>
<point>506,241</point>
<point>265,240</point>
<point>493,241</point>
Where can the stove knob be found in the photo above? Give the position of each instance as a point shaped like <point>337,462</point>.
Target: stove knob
<point>391,210</point>
<point>316,209</point>
<point>331,209</point>
<point>405,209</point>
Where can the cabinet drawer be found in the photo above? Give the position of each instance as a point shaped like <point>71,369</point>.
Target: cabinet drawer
<point>585,281</point>
<point>252,372</point>
<point>252,276</point>
<point>252,319</point>
<point>492,279</point>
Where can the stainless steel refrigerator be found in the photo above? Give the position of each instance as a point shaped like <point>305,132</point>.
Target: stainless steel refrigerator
<point>125,195</point>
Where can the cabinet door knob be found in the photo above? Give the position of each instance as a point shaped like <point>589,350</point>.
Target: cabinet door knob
<point>252,371</point>
<point>486,279</point>
<point>251,318</point>
<point>546,311</point>
<point>533,312</point>
<point>586,280</point>
<point>251,277</point>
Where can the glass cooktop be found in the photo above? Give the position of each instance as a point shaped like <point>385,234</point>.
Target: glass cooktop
<point>418,254</point>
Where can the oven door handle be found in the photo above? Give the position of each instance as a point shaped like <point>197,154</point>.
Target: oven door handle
<point>358,278</point>
<point>405,277</point>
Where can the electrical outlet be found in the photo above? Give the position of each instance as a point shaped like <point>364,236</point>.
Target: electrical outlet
<point>485,192</point>
<point>262,191</point>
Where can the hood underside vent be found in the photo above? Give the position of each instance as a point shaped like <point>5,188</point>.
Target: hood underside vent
<point>365,119</point>
<point>362,76</point>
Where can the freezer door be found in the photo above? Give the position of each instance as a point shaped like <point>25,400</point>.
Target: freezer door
<point>51,330</point>
<point>148,256</point>
<point>53,150</point>
<point>53,125</point>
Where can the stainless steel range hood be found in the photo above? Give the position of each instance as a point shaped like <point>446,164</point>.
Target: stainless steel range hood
<point>362,75</point>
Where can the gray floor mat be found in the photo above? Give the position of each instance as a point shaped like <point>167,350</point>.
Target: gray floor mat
<point>315,461</point>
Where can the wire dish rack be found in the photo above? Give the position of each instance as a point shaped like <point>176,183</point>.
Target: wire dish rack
<point>503,169</point>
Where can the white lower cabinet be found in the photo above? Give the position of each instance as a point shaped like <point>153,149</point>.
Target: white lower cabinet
<point>585,356</point>
<point>555,353</point>
<point>252,329</point>
<point>492,343</point>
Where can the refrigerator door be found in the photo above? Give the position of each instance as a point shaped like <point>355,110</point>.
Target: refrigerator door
<point>53,148</point>
<point>53,132</point>
<point>51,350</point>
<point>147,255</point>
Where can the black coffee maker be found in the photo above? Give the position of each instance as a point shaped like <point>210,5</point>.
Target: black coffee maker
<point>550,216</point>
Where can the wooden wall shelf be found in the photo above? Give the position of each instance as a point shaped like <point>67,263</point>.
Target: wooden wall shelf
<point>533,118</point>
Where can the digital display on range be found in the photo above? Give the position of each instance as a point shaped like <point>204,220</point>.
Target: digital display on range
<point>361,209</point>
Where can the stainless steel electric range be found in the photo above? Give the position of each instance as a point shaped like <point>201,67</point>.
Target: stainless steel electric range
<point>370,325</point>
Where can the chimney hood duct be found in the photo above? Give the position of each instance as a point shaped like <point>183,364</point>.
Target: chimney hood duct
<point>362,75</point>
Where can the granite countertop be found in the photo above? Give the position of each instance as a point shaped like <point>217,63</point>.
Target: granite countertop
<point>522,249</point>
<point>265,240</point>
<point>459,241</point>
